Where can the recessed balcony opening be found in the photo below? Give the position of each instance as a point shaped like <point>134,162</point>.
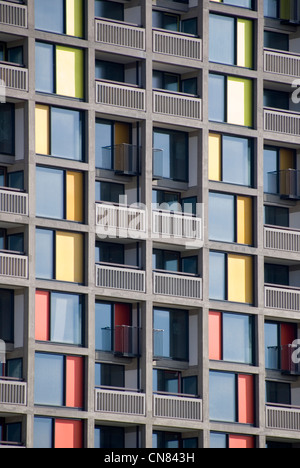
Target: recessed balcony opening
<point>282,284</point>
<point>287,13</point>
<point>176,439</point>
<point>119,11</point>
<point>123,436</point>
<point>13,251</point>
<point>281,443</point>
<point>281,349</point>
<point>11,431</point>
<point>12,139</point>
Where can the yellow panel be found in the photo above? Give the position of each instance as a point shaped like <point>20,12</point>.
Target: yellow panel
<point>69,72</point>
<point>75,196</point>
<point>244,220</point>
<point>74,20</point>
<point>214,152</point>
<point>69,257</point>
<point>287,159</point>
<point>122,133</point>
<point>285,9</point>
<point>42,126</point>
<point>240,279</point>
<point>239,101</point>
<point>244,43</point>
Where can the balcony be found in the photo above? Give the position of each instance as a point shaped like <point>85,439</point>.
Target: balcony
<point>123,341</point>
<point>122,96</point>
<point>119,277</point>
<point>125,157</point>
<point>282,63</point>
<point>280,358</point>
<point>285,183</point>
<point>283,417</point>
<point>13,14</point>
<point>283,239</point>
<point>120,34</point>
<point>177,45</point>
<point>13,392</point>
<point>120,221</point>
<point>177,407</point>
<point>169,226</point>
<point>13,76</point>
<point>177,285</point>
<point>285,122</point>
<point>177,105</point>
<point>282,298</point>
<point>13,202</point>
<point>13,265</point>
<point>118,402</point>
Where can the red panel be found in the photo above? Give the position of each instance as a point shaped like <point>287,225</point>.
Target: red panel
<point>288,335</point>
<point>74,382</point>
<point>68,434</point>
<point>123,335</point>
<point>246,399</point>
<point>215,336</point>
<point>42,316</point>
<point>241,442</point>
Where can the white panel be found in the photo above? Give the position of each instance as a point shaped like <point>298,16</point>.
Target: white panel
<point>131,379</point>
<point>19,133</point>
<point>193,340</point>
<point>19,320</point>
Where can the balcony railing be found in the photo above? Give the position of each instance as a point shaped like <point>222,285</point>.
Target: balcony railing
<point>120,221</point>
<point>282,298</point>
<point>281,358</point>
<point>14,77</point>
<point>122,340</point>
<point>118,95</point>
<point>285,122</point>
<point>285,183</point>
<point>125,157</point>
<point>177,407</point>
<point>177,45</point>
<point>13,393</point>
<point>169,225</point>
<point>177,105</point>
<point>13,14</point>
<point>177,285</point>
<point>13,202</point>
<point>118,34</point>
<point>127,279</point>
<point>287,240</point>
<point>12,265</point>
<point>128,403</point>
<point>282,63</point>
<point>283,417</point>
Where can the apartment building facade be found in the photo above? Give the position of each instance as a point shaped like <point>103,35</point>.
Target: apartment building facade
<point>149,224</point>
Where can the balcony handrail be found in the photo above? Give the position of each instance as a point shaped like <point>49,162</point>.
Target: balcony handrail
<point>281,228</point>
<point>118,389</point>
<point>176,93</point>
<point>281,111</point>
<point>176,213</point>
<point>282,287</point>
<point>11,252</point>
<point>119,84</point>
<point>176,273</point>
<point>282,52</point>
<point>117,205</point>
<point>11,189</point>
<point>280,405</point>
<point>177,33</point>
<point>120,23</point>
<point>178,395</point>
<point>119,266</point>
<point>12,64</point>
<point>10,379</point>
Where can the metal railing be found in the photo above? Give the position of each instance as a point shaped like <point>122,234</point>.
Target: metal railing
<point>283,417</point>
<point>122,340</point>
<point>14,77</point>
<point>13,265</point>
<point>177,407</point>
<point>177,44</point>
<point>119,95</point>
<point>177,105</point>
<point>120,34</point>
<point>13,14</point>
<point>281,358</point>
<point>282,298</point>
<point>285,183</point>
<point>167,224</point>
<point>13,392</point>
<point>285,122</point>
<point>125,158</point>
<point>127,279</point>
<point>122,221</point>
<point>177,285</point>
<point>277,238</point>
<point>129,403</point>
<point>13,202</point>
<point>281,62</point>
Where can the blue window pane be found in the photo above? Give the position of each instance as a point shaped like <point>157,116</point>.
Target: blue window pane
<point>221,217</point>
<point>271,8</point>
<point>103,327</point>
<point>14,433</point>
<point>162,164</point>
<point>44,67</point>
<point>43,430</point>
<point>237,338</point>
<point>218,441</point>
<point>49,16</point>
<point>237,161</point>
<point>216,98</point>
<point>50,188</point>
<point>239,3</point>
<point>270,170</point>
<point>49,380</point>
<point>66,134</point>
<point>222,31</point>
<point>217,279</point>
<point>44,268</point>
<point>104,145</point>
<point>272,343</point>
<point>66,318</point>
<point>162,333</point>
<point>222,397</point>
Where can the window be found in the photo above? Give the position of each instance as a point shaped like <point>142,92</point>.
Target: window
<point>7,129</point>
<point>59,194</point>
<point>171,261</point>
<point>277,163</point>
<point>172,440</point>
<point>277,274</point>
<point>111,321</point>
<point>277,9</point>
<point>61,16</point>
<point>11,54</point>
<point>171,334</point>
<point>6,316</point>
<point>59,317</point>
<point>110,71</point>
<point>231,337</point>
<point>59,256</point>
<point>59,70</point>
<point>278,339</point>
<point>276,99</point>
<point>236,37</point>
<point>109,10</point>
<point>278,393</point>
<point>220,440</point>
<point>11,432</point>
<point>172,22</point>
<point>174,83</point>
<point>277,216</point>
<point>230,218</point>
<point>230,159</point>
<point>168,201</point>
<point>239,3</point>
<point>110,137</point>
<point>110,253</point>
<point>173,382</point>
<point>16,180</point>
<point>235,403</point>
<point>58,380</point>
<point>109,375</point>
<point>277,41</point>
<point>57,433</point>
<point>13,368</point>
<point>110,192</point>
<point>109,437</point>
<point>231,277</point>
<point>230,100</point>
<point>171,155</point>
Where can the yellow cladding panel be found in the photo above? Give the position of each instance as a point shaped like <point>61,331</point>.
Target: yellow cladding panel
<point>240,279</point>
<point>69,72</point>
<point>42,122</point>
<point>214,156</point>
<point>75,196</point>
<point>74,18</point>
<point>244,220</point>
<point>69,257</point>
<point>287,159</point>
